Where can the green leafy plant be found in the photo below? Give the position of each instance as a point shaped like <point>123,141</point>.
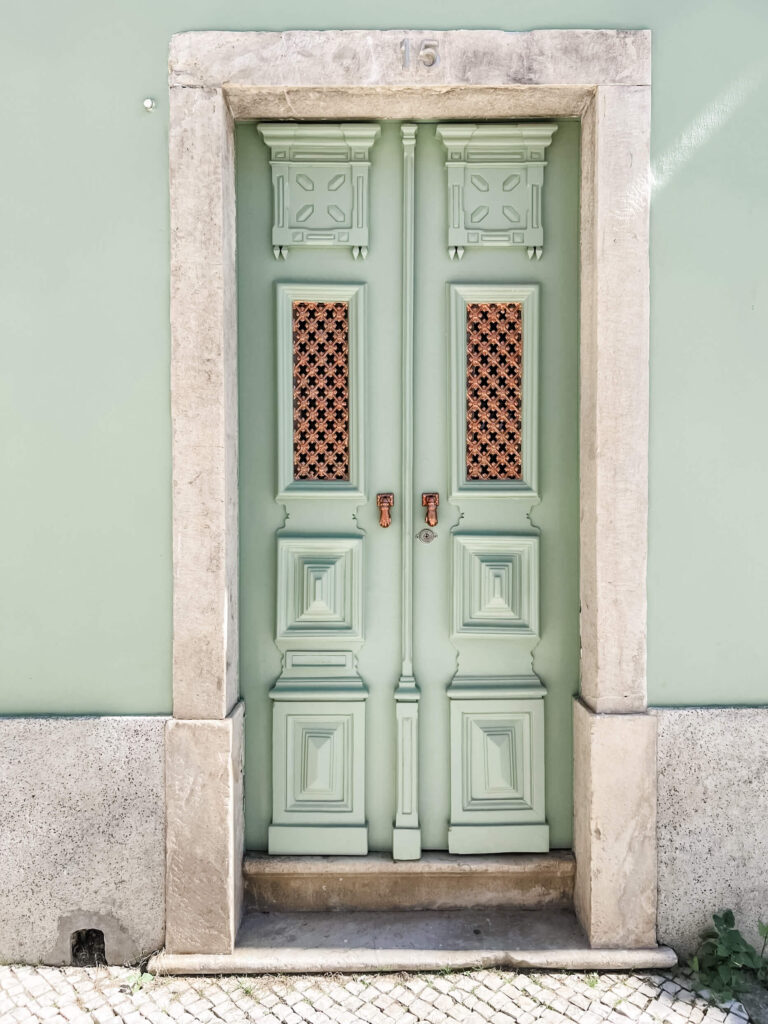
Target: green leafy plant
<point>139,980</point>
<point>725,963</point>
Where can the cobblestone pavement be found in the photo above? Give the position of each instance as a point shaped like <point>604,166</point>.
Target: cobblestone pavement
<point>111,994</point>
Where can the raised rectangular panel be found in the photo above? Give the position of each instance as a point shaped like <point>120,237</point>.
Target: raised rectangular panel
<point>494,332</point>
<point>497,775</point>
<point>495,178</point>
<point>319,587</point>
<point>318,777</point>
<point>495,585</point>
<point>320,390</point>
<point>314,664</point>
<point>320,184</point>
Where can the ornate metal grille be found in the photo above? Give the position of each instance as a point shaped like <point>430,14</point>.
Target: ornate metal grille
<point>494,390</point>
<point>320,391</point>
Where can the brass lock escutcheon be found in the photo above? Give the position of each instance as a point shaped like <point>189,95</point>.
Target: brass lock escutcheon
<point>430,500</point>
<point>384,503</point>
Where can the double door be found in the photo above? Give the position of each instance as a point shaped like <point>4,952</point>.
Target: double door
<point>409,488</point>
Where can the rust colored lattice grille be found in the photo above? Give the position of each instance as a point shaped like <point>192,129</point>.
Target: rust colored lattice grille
<point>494,391</point>
<point>320,391</point>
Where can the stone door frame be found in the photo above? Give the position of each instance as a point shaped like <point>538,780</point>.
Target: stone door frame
<point>603,79</point>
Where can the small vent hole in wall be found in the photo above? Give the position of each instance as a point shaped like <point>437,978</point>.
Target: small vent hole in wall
<point>88,948</point>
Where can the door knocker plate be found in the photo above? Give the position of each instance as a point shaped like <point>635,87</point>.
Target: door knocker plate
<point>426,536</point>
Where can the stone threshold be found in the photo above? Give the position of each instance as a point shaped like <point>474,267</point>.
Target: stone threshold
<point>438,881</point>
<point>426,940</point>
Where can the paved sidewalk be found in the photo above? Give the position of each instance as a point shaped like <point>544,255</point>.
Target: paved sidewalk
<point>110,994</point>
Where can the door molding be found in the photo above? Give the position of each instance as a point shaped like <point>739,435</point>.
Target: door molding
<point>603,79</point>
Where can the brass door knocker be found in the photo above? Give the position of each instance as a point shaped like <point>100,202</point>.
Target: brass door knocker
<point>384,503</point>
<point>430,501</point>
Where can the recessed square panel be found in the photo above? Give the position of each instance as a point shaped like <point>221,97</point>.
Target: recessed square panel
<point>497,762</point>
<point>496,585</point>
<point>319,587</point>
<point>319,763</point>
<point>495,746</point>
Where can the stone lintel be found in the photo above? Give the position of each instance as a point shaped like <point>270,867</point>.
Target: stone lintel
<point>615,827</point>
<point>204,841</point>
<point>377,58</point>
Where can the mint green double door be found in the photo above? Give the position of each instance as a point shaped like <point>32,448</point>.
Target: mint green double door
<point>408,686</point>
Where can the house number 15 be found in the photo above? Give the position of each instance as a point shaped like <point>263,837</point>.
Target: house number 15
<point>428,53</point>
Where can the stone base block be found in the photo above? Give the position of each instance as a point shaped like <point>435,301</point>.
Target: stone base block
<point>204,795</point>
<point>498,838</point>
<point>82,836</point>
<point>406,843</point>
<point>615,827</point>
<point>339,839</point>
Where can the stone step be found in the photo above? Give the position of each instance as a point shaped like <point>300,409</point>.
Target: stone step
<point>425,940</point>
<point>438,881</point>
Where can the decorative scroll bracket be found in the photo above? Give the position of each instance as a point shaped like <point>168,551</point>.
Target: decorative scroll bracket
<point>320,185</point>
<point>495,182</point>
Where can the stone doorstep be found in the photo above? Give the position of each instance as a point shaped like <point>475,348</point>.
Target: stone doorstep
<point>359,942</point>
<point>438,881</point>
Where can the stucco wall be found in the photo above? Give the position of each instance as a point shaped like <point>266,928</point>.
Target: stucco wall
<point>85,596</point>
<point>712,814</point>
<point>82,840</point>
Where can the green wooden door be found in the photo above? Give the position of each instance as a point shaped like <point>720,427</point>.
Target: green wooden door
<point>408,686</point>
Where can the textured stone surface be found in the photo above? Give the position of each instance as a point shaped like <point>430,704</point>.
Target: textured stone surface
<point>204,405</point>
<point>713,809</point>
<point>82,839</point>
<point>436,882</point>
<point>204,794</point>
<point>615,309</point>
<point>412,940</point>
<point>370,58</point>
<point>474,997</point>
<point>380,102</point>
<point>614,827</point>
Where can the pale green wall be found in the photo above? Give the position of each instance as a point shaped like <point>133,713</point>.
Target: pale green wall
<point>84,427</point>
